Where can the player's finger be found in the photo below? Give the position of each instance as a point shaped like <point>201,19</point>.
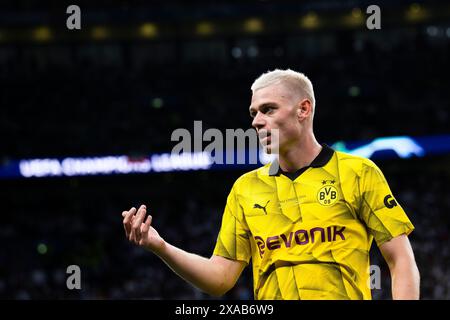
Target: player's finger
<point>131,234</point>
<point>136,227</point>
<point>124,213</point>
<point>146,226</point>
<point>139,217</point>
<point>127,219</point>
<point>129,214</point>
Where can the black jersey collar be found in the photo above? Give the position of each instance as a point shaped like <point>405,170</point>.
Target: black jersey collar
<point>322,159</point>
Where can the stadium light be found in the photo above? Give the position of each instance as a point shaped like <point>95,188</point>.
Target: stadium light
<point>354,91</point>
<point>310,21</point>
<point>236,52</point>
<point>355,18</point>
<point>42,248</point>
<point>357,13</point>
<point>204,28</point>
<point>42,34</point>
<point>148,30</point>
<point>416,13</point>
<point>253,25</point>
<point>157,103</point>
<point>99,33</point>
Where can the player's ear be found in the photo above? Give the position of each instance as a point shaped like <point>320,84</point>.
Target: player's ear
<point>304,109</point>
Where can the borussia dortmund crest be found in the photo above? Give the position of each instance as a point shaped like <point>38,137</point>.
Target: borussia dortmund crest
<point>328,194</point>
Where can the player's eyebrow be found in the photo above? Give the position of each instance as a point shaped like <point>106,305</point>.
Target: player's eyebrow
<point>263,105</point>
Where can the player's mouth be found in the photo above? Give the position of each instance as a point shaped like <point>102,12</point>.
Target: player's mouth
<point>264,137</point>
<point>263,134</point>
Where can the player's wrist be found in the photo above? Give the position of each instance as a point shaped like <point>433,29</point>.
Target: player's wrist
<point>160,249</point>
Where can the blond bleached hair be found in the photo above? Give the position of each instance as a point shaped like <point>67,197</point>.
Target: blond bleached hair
<point>296,81</point>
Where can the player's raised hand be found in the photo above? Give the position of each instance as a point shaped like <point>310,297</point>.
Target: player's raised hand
<point>140,232</point>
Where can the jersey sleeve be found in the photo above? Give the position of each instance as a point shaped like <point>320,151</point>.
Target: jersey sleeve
<point>379,210</point>
<point>233,241</point>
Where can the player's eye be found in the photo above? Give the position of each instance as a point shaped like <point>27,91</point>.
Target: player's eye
<point>252,114</point>
<point>268,110</point>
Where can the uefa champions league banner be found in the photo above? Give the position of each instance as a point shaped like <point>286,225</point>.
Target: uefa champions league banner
<point>380,148</point>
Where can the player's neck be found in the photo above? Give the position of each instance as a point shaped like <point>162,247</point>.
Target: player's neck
<point>300,155</point>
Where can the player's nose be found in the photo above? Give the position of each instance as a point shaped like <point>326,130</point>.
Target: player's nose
<point>258,121</point>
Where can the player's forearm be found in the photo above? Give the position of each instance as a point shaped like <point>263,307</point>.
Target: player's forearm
<point>405,280</point>
<point>197,270</point>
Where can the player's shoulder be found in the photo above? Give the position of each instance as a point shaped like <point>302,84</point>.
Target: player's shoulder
<point>252,178</point>
<point>355,162</point>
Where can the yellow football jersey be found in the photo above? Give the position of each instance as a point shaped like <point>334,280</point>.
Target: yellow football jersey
<point>309,238</point>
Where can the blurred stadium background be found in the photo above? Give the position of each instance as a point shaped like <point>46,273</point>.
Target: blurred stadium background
<point>138,70</point>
